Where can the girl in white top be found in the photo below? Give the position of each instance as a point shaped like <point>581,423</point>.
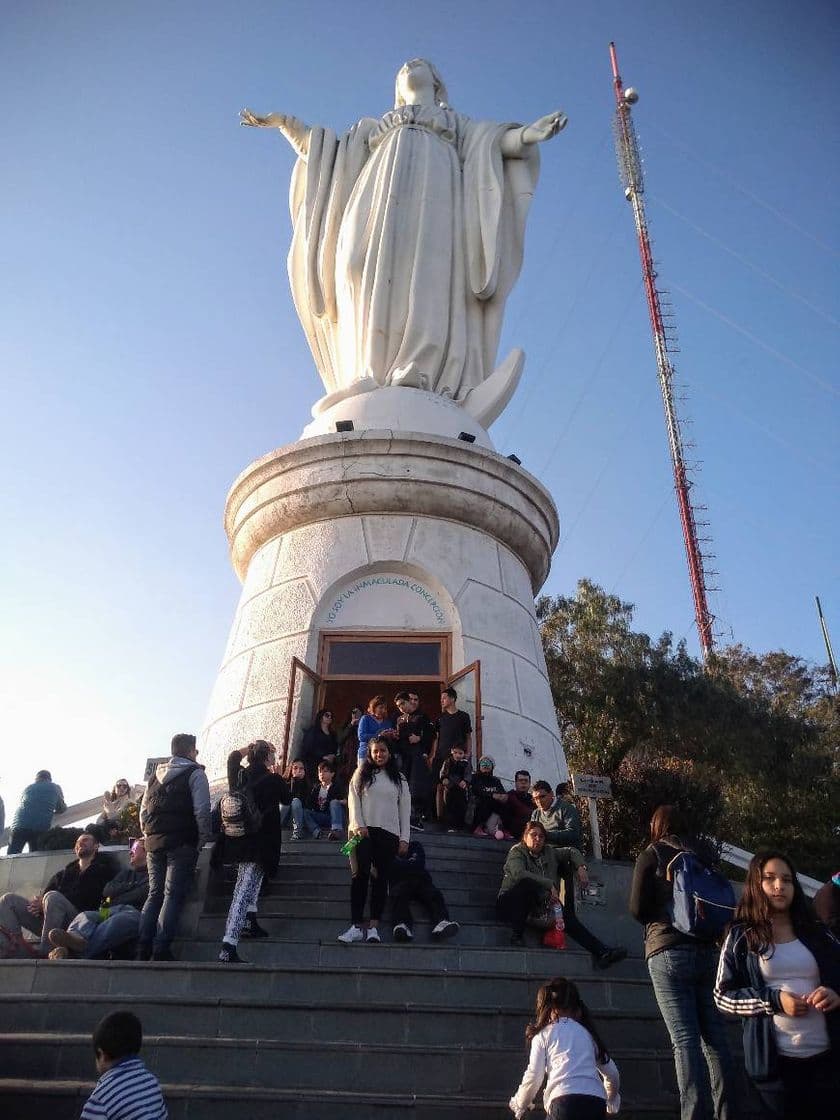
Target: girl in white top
<point>582,1080</point>
<point>380,814</point>
<point>780,970</point>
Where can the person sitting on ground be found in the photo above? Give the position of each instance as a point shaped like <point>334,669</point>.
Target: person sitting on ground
<point>411,882</point>
<point>34,816</point>
<point>519,806</point>
<point>112,929</point>
<point>78,886</point>
<point>175,818</point>
<point>114,803</point>
<point>299,787</point>
<point>319,741</point>
<point>455,777</point>
<point>559,817</point>
<point>325,804</point>
<point>373,724</point>
<point>532,879</point>
<point>126,1090</point>
<point>489,796</point>
<point>256,853</point>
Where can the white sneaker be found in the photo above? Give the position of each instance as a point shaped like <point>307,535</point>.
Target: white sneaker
<point>373,935</point>
<point>445,929</point>
<point>403,933</point>
<point>350,935</point>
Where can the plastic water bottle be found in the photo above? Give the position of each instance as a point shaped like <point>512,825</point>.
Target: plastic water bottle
<point>559,924</point>
<point>105,910</point>
<point>348,848</point>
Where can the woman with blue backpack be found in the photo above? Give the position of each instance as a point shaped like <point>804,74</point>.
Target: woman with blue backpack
<point>250,837</point>
<point>780,971</point>
<point>684,905</point>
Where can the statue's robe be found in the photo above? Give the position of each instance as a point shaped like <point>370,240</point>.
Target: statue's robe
<point>408,237</point>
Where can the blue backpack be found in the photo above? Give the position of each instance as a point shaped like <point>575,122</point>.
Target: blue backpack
<point>703,902</point>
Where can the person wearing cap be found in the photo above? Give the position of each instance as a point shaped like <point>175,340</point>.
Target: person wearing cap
<point>488,795</point>
<point>98,933</point>
<point>40,802</point>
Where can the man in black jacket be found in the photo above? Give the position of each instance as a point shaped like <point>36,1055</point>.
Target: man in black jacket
<point>78,886</point>
<point>411,882</point>
<point>113,927</point>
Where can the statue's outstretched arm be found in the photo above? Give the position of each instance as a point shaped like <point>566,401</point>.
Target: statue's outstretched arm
<point>295,131</point>
<point>516,141</point>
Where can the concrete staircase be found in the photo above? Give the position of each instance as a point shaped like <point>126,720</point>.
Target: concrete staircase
<point>315,1029</point>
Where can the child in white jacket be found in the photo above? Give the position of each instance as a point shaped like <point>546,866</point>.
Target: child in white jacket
<point>582,1080</point>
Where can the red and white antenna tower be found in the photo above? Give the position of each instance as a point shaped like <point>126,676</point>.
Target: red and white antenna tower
<point>630,168</point>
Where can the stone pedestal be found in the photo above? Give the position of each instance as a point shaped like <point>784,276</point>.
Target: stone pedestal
<point>398,531</point>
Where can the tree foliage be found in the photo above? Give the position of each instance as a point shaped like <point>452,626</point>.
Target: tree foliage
<point>747,745</point>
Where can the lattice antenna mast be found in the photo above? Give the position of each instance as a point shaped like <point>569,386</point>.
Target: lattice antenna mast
<point>630,169</point>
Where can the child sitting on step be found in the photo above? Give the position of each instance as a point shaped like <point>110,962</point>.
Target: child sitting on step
<point>455,777</point>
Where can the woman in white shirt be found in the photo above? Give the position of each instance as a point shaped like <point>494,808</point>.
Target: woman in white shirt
<point>780,970</point>
<point>380,812</point>
<point>581,1079</point>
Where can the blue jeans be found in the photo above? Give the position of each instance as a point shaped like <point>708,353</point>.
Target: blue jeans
<point>170,878</point>
<point>121,926</point>
<point>295,811</point>
<point>316,819</point>
<point>683,979</point>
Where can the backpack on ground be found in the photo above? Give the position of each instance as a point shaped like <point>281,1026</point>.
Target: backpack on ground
<point>238,812</point>
<point>703,900</point>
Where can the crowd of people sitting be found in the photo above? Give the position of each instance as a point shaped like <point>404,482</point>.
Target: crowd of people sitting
<point>776,963</point>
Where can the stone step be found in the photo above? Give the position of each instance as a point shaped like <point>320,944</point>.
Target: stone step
<point>336,907</point>
<point>38,1099</point>
<point>332,885</point>
<point>303,870</point>
<point>487,932</point>
<point>467,1068</point>
<point>372,977</point>
<point>338,888</point>
<point>439,847</point>
<point>336,1019</point>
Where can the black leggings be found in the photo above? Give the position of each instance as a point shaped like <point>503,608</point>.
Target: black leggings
<point>378,848</point>
<point>807,1089</point>
<point>577,1106</point>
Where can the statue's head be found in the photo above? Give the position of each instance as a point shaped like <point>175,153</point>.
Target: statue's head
<point>408,73</point>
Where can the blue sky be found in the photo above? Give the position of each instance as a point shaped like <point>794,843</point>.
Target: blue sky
<point>149,349</point>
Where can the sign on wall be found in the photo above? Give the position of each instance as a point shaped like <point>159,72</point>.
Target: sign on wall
<point>387,599</point>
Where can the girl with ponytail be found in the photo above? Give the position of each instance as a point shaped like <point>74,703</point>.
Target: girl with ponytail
<point>582,1080</point>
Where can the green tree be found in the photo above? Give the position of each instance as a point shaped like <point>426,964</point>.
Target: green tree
<point>747,745</point>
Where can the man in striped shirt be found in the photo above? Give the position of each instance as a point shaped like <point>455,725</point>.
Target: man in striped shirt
<point>125,1089</point>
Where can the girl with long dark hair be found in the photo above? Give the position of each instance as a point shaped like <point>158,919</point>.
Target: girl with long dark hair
<point>380,814</point>
<point>682,969</point>
<point>582,1081</point>
<point>256,854</point>
<point>780,970</point>
<point>319,742</point>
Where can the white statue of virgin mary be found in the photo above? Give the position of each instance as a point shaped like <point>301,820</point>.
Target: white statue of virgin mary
<point>408,237</point>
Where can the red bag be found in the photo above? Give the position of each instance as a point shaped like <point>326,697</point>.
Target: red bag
<point>554,939</point>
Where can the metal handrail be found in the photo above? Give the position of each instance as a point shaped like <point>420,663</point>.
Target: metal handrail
<point>740,858</point>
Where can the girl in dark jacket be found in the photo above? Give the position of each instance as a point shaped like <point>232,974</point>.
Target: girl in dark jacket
<point>256,854</point>
<point>489,795</point>
<point>780,970</point>
<point>682,970</point>
<point>319,742</point>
